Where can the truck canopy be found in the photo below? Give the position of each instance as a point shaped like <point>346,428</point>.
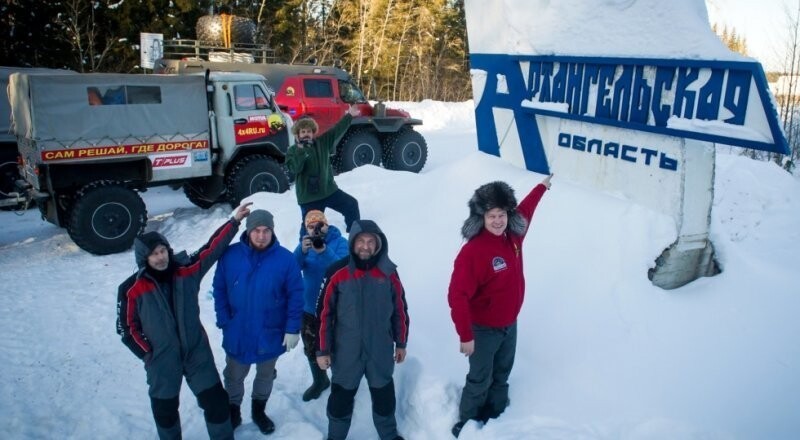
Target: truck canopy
<point>58,111</point>
<point>5,106</point>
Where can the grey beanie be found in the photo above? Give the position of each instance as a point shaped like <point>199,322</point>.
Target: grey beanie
<point>259,217</point>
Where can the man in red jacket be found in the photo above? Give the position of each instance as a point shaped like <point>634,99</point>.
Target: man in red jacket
<point>486,293</point>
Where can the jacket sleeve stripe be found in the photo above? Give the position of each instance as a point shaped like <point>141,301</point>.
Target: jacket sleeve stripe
<point>401,311</point>
<point>139,288</point>
<point>222,234</point>
<point>327,309</point>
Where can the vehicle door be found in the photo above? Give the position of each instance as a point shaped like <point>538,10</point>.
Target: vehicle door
<point>322,101</point>
<point>249,116</point>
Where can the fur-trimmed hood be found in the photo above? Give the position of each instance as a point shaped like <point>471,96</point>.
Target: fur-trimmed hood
<point>489,196</point>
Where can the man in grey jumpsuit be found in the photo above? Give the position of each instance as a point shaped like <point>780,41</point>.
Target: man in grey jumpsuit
<point>363,330</point>
<point>158,317</point>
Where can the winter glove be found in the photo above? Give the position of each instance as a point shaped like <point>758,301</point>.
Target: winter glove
<point>290,340</point>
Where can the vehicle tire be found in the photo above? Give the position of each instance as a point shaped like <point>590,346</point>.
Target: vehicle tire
<point>106,217</point>
<point>253,174</point>
<point>196,198</point>
<point>290,175</point>
<point>359,147</point>
<point>209,30</point>
<point>405,150</point>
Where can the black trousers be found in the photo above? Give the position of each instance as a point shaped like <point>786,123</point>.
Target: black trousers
<point>309,333</point>
<point>340,202</point>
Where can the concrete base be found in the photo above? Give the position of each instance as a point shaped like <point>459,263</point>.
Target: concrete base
<point>684,261</point>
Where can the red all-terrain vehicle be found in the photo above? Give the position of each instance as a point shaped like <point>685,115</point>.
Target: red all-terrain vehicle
<point>380,136</point>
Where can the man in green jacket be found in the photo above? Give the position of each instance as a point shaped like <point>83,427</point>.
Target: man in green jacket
<point>309,160</point>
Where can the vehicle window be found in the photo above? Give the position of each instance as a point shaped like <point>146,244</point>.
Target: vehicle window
<point>245,97</point>
<point>351,94</point>
<point>94,95</point>
<point>143,94</point>
<point>250,97</point>
<point>262,101</point>
<point>318,88</point>
<point>121,95</point>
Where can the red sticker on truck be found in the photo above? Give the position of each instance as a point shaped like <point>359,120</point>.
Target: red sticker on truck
<point>171,161</point>
<point>258,127</point>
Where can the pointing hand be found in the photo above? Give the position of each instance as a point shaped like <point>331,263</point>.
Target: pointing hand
<point>546,181</point>
<point>242,212</point>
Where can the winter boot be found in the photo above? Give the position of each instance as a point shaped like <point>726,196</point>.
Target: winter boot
<point>457,428</point>
<point>236,415</point>
<point>265,425</point>
<point>321,382</point>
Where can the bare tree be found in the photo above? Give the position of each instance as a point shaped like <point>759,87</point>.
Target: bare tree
<point>789,87</point>
<point>82,32</point>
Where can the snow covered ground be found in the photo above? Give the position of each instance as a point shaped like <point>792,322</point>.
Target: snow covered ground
<point>602,354</point>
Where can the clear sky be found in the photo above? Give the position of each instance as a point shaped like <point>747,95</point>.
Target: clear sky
<point>762,22</point>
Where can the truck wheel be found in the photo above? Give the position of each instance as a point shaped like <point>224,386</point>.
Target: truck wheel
<point>406,150</point>
<point>255,173</point>
<point>196,198</point>
<point>106,217</point>
<point>359,147</point>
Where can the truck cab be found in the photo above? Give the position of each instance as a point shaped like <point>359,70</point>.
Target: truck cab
<point>247,116</point>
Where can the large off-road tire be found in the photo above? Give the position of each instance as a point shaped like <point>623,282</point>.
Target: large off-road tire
<point>253,174</point>
<point>209,30</point>
<point>359,147</point>
<point>195,197</point>
<point>405,150</point>
<point>106,217</point>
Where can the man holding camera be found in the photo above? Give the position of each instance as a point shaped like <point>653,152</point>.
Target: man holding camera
<point>320,245</point>
<point>309,160</point>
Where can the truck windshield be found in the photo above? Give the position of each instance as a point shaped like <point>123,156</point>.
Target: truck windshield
<point>350,92</point>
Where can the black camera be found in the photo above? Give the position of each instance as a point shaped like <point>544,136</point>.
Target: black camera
<point>305,142</point>
<point>317,239</point>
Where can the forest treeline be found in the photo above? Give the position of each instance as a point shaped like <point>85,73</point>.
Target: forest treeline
<point>405,50</point>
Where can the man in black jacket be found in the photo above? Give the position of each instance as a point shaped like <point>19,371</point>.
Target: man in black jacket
<point>158,317</point>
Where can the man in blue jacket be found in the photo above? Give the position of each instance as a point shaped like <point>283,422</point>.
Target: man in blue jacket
<point>258,298</point>
<point>320,245</point>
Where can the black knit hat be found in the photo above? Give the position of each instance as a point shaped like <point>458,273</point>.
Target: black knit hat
<point>487,197</point>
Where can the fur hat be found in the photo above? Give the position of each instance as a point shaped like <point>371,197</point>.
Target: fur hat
<point>487,197</point>
<point>145,244</point>
<point>315,216</point>
<point>259,217</point>
<point>305,123</point>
